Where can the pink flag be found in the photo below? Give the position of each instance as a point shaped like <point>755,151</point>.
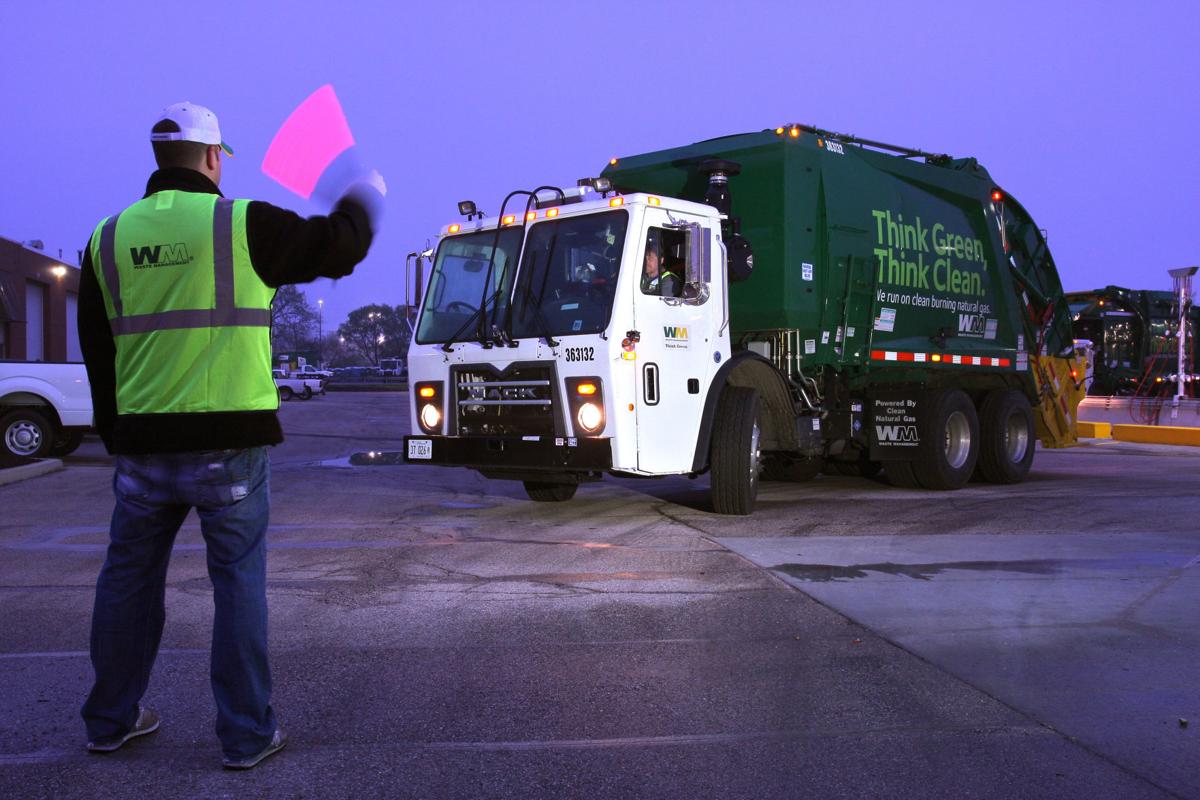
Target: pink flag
<point>308,142</point>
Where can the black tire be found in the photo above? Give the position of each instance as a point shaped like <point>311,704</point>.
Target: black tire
<point>900,474</point>
<point>949,448</point>
<point>790,469</point>
<point>550,492</point>
<point>306,394</point>
<point>66,443</point>
<point>735,455</point>
<point>25,434</point>
<point>286,393</point>
<point>1006,437</point>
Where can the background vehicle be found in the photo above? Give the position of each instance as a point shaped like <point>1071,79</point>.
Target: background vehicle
<point>289,385</point>
<point>842,304</point>
<point>393,367</point>
<point>45,409</point>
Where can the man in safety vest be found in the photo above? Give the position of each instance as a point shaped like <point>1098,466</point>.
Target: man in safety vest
<point>175,326</point>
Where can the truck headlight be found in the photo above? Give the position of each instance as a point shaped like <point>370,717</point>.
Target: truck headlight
<point>586,399</point>
<point>429,404</point>
<point>431,417</point>
<point>590,417</point>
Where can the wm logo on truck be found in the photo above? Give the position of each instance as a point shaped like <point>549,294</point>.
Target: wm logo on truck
<point>159,255</point>
<point>897,434</point>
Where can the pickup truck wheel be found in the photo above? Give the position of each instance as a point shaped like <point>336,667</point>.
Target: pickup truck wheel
<point>67,443</point>
<point>306,394</point>
<point>1006,437</point>
<point>790,469</point>
<point>736,457</point>
<point>550,492</point>
<point>25,433</point>
<point>286,393</point>
<point>949,447</point>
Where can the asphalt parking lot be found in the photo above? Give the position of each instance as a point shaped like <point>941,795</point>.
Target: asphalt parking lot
<point>437,635</point>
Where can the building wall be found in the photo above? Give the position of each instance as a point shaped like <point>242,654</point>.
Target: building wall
<point>21,268</point>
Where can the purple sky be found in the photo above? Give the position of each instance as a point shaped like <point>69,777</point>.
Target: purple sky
<point>1086,113</point>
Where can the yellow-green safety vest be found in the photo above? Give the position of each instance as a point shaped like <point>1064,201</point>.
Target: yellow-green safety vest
<point>190,317</point>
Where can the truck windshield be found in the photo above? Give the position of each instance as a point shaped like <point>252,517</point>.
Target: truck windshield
<point>456,286</point>
<point>568,275</point>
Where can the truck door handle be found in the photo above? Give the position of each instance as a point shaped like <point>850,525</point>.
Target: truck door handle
<point>650,384</point>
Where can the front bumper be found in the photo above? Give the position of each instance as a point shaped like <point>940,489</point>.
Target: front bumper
<point>499,454</point>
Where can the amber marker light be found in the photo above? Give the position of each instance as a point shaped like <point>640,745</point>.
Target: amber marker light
<point>794,133</point>
<point>552,213</point>
<point>779,131</point>
<point>508,219</point>
<point>586,389</point>
<point>654,201</point>
<point>455,228</point>
<point>936,357</point>
<point>530,216</point>
<point>616,202</point>
<point>427,391</point>
<point>612,162</point>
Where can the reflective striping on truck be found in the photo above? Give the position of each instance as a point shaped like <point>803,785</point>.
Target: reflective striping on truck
<point>943,358</point>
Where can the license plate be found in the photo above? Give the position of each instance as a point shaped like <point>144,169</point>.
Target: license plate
<point>420,448</point>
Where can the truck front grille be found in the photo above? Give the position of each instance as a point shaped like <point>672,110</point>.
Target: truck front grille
<point>518,401</point>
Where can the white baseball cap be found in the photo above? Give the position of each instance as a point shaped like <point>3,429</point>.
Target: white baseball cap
<point>196,124</point>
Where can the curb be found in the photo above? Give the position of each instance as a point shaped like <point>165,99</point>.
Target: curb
<point>33,470</point>
<point>1157,434</point>
<point>1094,430</point>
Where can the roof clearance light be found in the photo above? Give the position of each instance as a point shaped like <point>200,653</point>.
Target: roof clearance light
<point>455,228</point>
<point>654,201</point>
<point>779,131</point>
<point>586,389</point>
<point>997,195</point>
<point>612,162</point>
<point>552,213</point>
<point>530,215</point>
<point>616,201</point>
<point>427,391</point>
<point>935,357</point>
<point>508,219</point>
<point>794,132</point>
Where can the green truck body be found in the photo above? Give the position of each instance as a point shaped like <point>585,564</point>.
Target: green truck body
<point>860,250</point>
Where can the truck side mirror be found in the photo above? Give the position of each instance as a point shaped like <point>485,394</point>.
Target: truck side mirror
<point>741,258</point>
<point>699,264</point>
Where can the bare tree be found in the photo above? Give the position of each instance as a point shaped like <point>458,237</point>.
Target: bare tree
<point>293,320</point>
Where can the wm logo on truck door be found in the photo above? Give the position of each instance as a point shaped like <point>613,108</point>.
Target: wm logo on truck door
<point>897,434</point>
<point>159,255</point>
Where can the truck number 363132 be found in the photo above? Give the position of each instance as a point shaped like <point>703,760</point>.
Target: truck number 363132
<point>581,354</point>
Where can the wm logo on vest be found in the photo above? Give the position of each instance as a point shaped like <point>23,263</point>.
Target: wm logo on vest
<point>160,255</point>
<point>675,338</point>
<point>897,434</point>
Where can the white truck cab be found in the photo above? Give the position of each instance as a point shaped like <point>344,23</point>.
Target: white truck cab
<point>547,350</point>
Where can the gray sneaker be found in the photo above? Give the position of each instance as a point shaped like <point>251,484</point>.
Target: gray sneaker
<point>147,722</point>
<point>276,744</point>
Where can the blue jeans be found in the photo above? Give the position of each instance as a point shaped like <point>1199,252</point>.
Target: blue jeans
<point>230,490</point>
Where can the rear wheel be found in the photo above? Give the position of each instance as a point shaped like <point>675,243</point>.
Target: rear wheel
<point>286,393</point>
<point>1006,437</point>
<point>736,456</point>
<point>550,492</point>
<point>306,393</point>
<point>949,444</point>
<point>25,433</point>
<point>900,474</point>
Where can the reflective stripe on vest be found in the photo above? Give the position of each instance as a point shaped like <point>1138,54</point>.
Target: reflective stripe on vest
<point>192,329</point>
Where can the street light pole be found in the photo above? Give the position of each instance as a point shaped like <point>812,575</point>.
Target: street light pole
<point>321,332</point>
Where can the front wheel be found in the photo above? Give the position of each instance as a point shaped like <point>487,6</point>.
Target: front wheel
<point>550,492</point>
<point>736,454</point>
<point>1006,437</point>
<point>25,433</point>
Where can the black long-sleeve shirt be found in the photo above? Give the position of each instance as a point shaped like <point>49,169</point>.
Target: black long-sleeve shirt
<point>284,248</point>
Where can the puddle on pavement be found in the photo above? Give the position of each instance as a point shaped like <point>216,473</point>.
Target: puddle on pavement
<point>371,458</point>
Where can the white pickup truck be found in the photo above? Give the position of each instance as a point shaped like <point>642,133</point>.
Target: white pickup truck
<point>45,409</point>
<point>293,385</point>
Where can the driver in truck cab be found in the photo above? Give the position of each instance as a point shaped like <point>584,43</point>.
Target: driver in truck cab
<point>656,279</point>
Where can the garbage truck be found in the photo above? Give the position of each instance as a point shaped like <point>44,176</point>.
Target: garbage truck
<point>755,307</point>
